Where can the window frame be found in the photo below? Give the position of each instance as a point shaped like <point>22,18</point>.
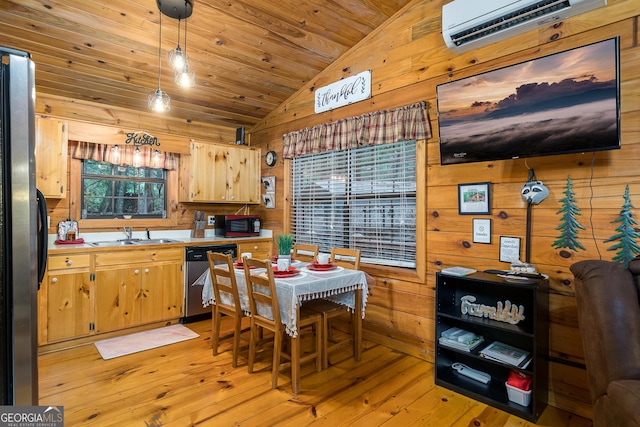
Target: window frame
<point>417,274</point>
<point>123,178</point>
<point>108,224</point>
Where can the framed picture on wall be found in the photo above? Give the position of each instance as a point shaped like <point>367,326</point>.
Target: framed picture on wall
<point>474,198</point>
<point>481,230</point>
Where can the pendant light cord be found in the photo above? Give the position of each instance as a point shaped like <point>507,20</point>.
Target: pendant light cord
<point>160,50</point>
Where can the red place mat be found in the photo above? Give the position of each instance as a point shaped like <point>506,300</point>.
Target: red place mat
<point>70,242</point>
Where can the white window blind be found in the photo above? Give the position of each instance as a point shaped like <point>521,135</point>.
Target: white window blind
<point>363,198</point>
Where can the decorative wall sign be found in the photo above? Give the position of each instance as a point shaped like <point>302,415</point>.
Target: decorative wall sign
<point>481,230</point>
<point>474,198</point>
<point>509,249</point>
<point>344,92</point>
<point>507,312</point>
<point>141,138</point>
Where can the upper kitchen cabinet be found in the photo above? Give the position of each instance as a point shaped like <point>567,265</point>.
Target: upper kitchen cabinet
<point>216,173</point>
<point>51,157</point>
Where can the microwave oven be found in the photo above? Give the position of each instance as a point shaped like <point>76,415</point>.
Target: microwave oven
<point>237,225</point>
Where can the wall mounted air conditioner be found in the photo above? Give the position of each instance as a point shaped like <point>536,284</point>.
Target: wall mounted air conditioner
<point>469,24</point>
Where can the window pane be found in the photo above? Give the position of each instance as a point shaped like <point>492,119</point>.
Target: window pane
<point>139,192</point>
<point>362,198</point>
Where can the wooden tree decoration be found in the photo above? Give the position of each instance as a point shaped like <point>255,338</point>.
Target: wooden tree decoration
<point>627,235</point>
<point>569,225</point>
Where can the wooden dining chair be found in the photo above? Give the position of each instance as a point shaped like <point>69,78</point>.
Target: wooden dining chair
<point>350,259</point>
<point>227,301</point>
<point>265,314</point>
<point>305,252</point>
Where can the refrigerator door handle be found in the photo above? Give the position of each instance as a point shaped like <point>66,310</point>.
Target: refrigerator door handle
<point>42,235</point>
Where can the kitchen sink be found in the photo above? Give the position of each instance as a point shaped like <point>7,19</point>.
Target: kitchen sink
<point>132,242</point>
<point>156,241</point>
<point>114,243</point>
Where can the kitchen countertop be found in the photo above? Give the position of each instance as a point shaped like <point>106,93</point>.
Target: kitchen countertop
<point>183,236</point>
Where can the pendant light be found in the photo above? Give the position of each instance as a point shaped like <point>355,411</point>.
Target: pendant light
<point>159,100</point>
<point>185,76</point>
<point>177,58</point>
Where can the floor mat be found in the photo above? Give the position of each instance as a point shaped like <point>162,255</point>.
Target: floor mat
<point>141,341</point>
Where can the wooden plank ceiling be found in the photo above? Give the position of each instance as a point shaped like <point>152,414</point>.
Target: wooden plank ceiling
<point>249,56</point>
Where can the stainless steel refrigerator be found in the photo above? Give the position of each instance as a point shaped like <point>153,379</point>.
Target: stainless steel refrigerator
<point>23,232</point>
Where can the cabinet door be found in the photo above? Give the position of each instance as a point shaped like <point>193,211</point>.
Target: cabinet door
<point>203,178</point>
<point>68,305</point>
<point>51,157</point>
<point>117,293</point>
<point>243,175</point>
<point>161,295</point>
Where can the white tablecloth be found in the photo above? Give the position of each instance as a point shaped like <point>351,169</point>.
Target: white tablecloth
<point>338,285</point>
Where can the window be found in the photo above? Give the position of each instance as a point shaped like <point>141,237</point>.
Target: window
<point>109,191</point>
<point>363,198</point>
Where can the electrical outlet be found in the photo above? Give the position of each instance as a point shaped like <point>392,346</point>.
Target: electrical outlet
<point>211,220</point>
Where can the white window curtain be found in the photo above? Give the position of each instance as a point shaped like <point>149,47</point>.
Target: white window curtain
<point>362,198</point>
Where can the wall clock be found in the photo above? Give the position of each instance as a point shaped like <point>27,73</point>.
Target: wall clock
<point>270,158</point>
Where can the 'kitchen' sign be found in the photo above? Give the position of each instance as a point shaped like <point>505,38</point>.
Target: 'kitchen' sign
<point>344,92</point>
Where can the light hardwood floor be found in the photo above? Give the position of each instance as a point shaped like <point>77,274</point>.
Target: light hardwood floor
<point>184,385</point>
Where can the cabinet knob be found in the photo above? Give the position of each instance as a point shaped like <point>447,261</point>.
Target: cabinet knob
<point>146,270</point>
<point>136,271</point>
<point>69,262</point>
<point>54,280</point>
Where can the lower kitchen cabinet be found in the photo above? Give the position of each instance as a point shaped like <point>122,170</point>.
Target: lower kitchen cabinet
<point>138,287</point>
<point>259,250</point>
<point>66,296</point>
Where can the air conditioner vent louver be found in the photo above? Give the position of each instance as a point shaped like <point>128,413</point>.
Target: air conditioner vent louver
<point>470,24</point>
<point>520,16</point>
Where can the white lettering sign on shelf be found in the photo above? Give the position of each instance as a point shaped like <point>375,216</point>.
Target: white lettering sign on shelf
<point>509,313</point>
<point>344,92</point>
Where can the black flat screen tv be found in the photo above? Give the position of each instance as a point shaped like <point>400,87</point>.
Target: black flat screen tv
<point>567,102</point>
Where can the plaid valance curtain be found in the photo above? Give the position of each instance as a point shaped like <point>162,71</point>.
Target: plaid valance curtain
<point>126,155</point>
<point>406,123</point>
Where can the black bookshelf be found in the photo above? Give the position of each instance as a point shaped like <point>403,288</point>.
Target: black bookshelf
<point>530,334</point>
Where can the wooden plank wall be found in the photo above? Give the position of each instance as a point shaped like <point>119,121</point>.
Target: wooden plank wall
<point>107,124</point>
<point>408,59</point>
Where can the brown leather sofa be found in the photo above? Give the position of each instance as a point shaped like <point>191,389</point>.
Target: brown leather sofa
<point>607,296</point>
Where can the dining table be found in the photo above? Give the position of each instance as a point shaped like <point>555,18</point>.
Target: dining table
<point>344,286</point>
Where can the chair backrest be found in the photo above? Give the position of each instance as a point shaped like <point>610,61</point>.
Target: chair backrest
<point>261,287</point>
<point>609,321</point>
<point>305,252</point>
<point>225,287</point>
<point>347,258</point>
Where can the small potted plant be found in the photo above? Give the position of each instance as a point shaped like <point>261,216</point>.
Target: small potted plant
<point>285,244</point>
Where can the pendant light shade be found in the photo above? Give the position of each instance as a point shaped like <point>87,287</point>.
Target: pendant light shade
<point>177,57</point>
<point>185,76</point>
<point>159,100</point>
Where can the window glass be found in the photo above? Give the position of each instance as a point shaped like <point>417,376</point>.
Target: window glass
<point>110,191</point>
<point>363,198</point>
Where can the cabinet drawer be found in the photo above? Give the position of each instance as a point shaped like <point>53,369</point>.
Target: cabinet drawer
<point>139,256</point>
<point>68,262</point>
<point>260,250</point>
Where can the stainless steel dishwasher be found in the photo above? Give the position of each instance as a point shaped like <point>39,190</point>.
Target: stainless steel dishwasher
<point>196,264</point>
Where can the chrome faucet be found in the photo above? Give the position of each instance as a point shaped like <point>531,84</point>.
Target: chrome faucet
<point>129,232</point>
